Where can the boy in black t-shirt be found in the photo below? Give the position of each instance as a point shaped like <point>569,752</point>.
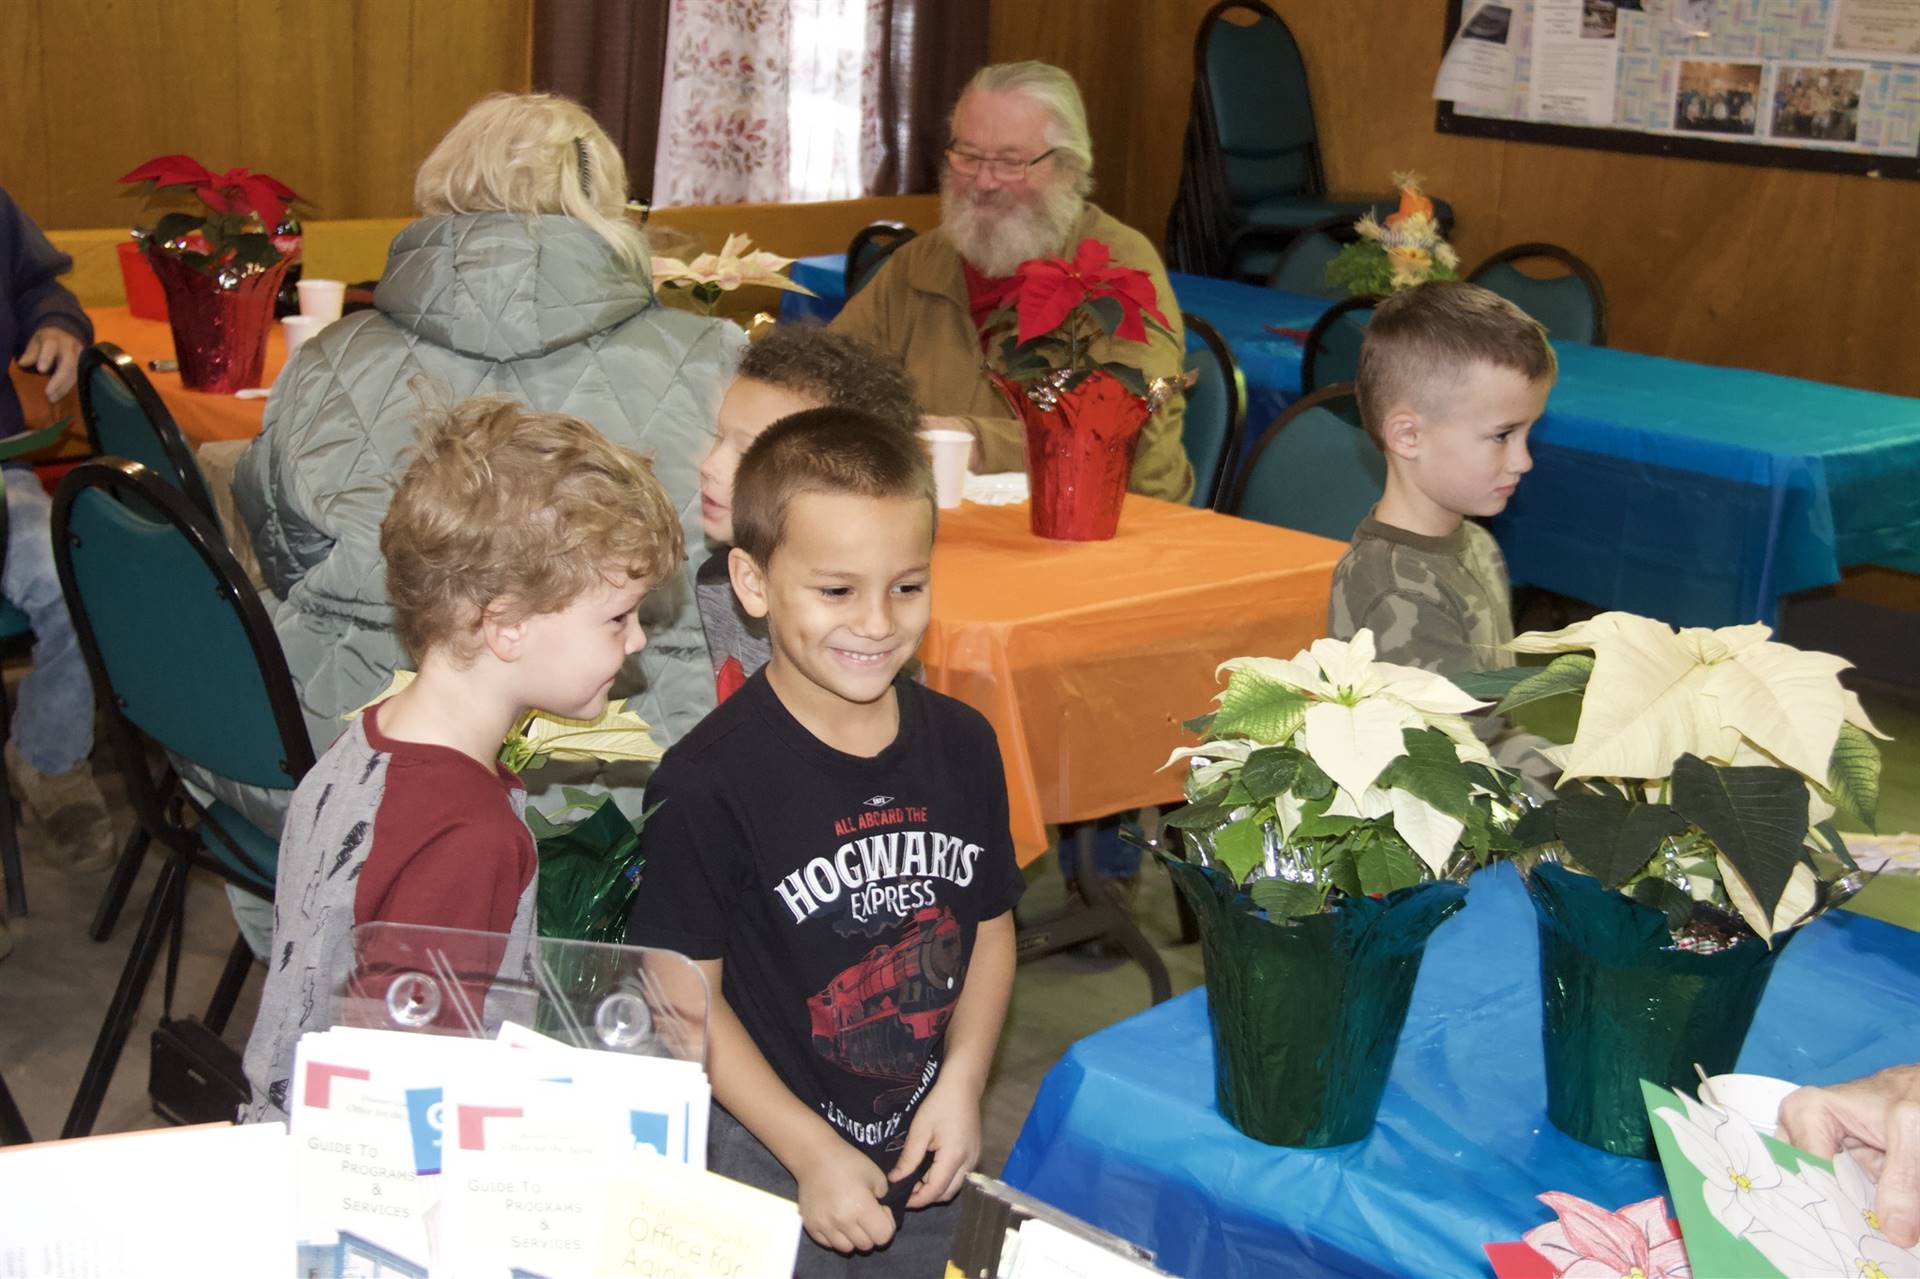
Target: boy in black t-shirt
<point>831,847</point>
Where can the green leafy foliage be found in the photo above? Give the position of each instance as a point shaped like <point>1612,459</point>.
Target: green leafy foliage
<point>1535,827</point>
<point>1491,686</point>
<point>1669,899</point>
<point>1384,861</point>
<point>1567,673</point>
<point>1756,816</point>
<point>1610,837</point>
<point>1853,778</point>
<point>1240,846</point>
<point>1270,772</point>
<point>1256,707</point>
<point>1199,815</point>
<point>1284,898</point>
<point>1430,770</point>
<point>1199,724</point>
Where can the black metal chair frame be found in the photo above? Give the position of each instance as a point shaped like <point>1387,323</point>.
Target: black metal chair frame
<point>9,813</point>
<point>162,806</point>
<point>1310,347</point>
<point>1575,265</point>
<point>1312,400</point>
<point>890,236</point>
<point>1236,402</point>
<point>179,453</point>
<point>1339,228</point>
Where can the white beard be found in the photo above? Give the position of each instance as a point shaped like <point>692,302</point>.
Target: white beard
<point>1031,228</point>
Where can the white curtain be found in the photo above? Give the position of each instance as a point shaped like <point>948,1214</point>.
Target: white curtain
<point>769,101</point>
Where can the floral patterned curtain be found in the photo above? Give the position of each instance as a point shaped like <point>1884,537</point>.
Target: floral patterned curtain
<point>723,115</point>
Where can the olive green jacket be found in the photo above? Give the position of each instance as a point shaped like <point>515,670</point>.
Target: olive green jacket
<point>916,307</point>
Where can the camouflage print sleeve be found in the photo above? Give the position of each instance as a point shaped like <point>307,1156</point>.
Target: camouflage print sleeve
<point>1417,629</point>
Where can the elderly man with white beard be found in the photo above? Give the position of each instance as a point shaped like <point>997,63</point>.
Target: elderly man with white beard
<point>1014,187</point>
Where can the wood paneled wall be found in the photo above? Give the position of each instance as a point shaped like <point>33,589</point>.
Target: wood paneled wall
<point>340,99</point>
<point>1813,275</point>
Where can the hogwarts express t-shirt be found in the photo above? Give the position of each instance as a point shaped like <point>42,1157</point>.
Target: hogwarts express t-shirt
<point>841,892</point>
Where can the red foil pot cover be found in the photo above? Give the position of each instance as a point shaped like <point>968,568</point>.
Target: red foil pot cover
<point>219,332</point>
<point>1079,454</point>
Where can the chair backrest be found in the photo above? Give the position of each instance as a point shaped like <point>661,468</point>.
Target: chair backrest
<point>871,246</point>
<point>1256,82</point>
<point>1332,345</point>
<point>178,645</point>
<point>1314,469</point>
<point>1572,306</point>
<point>1302,267</point>
<point>126,418</point>
<point>1216,409</point>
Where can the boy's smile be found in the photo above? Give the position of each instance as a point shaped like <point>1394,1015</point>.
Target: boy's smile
<point>847,602</point>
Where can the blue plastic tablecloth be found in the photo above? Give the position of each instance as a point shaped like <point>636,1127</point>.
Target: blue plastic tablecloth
<point>1688,492</point>
<point>1125,1134</point>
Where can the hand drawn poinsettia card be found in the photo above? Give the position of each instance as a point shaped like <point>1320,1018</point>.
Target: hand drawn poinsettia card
<point>1752,1207</point>
<point>1589,1242</point>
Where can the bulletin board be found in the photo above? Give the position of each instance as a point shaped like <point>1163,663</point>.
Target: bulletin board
<point>1830,85</point>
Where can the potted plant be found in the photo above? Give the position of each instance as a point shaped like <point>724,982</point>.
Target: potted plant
<point>709,276</point>
<point>1336,806</point>
<point>1083,416</point>
<point>1688,839</point>
<point>219,249</point>
<point>1406,250</point>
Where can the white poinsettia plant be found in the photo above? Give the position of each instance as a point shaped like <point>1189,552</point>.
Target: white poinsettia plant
<point>616,735</point>
<point>1332,773</point>
<point>1706,766</point>
<point>737,265</point>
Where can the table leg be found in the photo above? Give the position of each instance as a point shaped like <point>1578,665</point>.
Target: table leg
<point>1093,909</point>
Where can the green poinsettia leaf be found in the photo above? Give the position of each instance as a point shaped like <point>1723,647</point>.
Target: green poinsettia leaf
<point>1669,899</point>
<point>1386,864</point>
<point>1313,782</point>
<point>1106,313</point>
<point>1239,847</point>
<point>1259,708</point>
<point>1285,899</point>
<point>1491,686</point>
<point>172,226</point>
<point>1567,673</point>
<point>1854,775</point>
<point>1202,816</point>
<point>1430,771</point>
<point>1317,825</point>
<point>1841,853</point>
<point>1610,837</point>
<point>1535,827</point>
<point>1128,376</point>
<point>1270,772</point>
<point>1341,871</point>
<point>1756,816</point>
<point>1199,724</point>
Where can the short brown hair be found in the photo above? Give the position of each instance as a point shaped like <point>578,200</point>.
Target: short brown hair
<point>501,503</point>
<point>827,450</point>
<point>1421,340</point>
<point>837,370</point>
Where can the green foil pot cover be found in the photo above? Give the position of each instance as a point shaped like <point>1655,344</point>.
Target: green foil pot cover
<point>1623,1005</point>
<point>1307,1013</point>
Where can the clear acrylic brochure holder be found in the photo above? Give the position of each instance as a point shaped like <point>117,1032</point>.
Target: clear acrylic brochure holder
<point>451,981</point>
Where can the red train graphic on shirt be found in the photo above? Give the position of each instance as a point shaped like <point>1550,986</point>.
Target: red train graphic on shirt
<point>876,1016</point>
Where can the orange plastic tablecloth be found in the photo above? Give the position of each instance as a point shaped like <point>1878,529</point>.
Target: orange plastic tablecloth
<point>202,417</point>
<point>1086,656</point>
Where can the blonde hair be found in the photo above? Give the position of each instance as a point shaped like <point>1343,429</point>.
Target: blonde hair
<point>1420,341</point>
<point>532,153</point>
<point>1054,90</point>
<point>519,511</point>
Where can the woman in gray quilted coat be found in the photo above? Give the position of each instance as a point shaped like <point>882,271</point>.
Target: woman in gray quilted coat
<point>523,279</point>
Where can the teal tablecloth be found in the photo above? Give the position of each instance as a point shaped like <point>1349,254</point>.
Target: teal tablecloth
<point>1688,492</point>
<point>1125,1134</point>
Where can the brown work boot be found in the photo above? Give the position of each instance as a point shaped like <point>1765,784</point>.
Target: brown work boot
<point>68,808</point>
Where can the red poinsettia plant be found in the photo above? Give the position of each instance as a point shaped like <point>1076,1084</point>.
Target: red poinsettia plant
<point>237,221</point>
<point>1057,308</point>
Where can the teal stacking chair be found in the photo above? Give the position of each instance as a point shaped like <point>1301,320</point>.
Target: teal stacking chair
<point>1571,303</point>
<point>183,658</point>
<point>872,245</point>
<point>1302,266</point>
<point>1314,469</point>
<point>1216,410</point>
<point>1331,349</point>
<point>126,418</point>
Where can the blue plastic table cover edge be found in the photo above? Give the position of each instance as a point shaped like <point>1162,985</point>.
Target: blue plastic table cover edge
<point>1125,1133</point>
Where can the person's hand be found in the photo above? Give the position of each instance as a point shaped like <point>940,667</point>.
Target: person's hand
<point>941,422</point>
<point>1879,1119</point>
<point>948,1124</point>
<point>56,352</point>
<point>840,1190</point>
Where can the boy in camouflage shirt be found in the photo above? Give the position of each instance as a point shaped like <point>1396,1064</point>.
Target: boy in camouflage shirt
<point>1452,377</point>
